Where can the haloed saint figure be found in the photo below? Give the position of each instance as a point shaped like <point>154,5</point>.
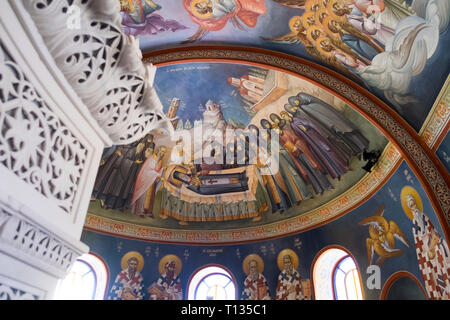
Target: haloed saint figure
<point>432,250</point>
<point>289,286</point>
<point>213,15</point>
<point>140,18</point>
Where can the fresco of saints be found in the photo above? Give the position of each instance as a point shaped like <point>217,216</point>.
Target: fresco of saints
<point>255,285</point>
<point>317,138</point>
<point>168,285</point>
<point>128,283</point>
<point>139,18</point>
<point>213,15</point>
<point>117,174</point>
<point>304,160</point>
<point>145,186</point>
<point>274,183</point>
<point>334,121</point>
<point>289,285</point>
<point>367,15</point>
<point>432,250</point>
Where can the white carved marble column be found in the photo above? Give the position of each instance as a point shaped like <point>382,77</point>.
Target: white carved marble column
<point>65,94</point>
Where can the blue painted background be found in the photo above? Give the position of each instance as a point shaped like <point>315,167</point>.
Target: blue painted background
<point>345,232</point>
<point>443,152</point>
<point>424,87</point>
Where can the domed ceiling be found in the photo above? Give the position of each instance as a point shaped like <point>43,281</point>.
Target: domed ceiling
<point>396,49</point>
<point>393,49</point>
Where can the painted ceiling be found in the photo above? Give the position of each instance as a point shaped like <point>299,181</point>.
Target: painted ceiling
<point>394,49</point>
<point>220,96</point>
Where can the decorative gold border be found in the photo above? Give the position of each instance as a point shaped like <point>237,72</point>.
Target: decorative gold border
<point>435,127</point>
<point>365,188</point>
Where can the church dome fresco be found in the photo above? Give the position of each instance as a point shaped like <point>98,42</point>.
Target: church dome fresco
<point>394,49</point>
<point>275,146</point>
<point>230,119</point>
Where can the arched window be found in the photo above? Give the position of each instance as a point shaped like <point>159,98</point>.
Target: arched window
<point>86,280</point>
<point>346,280</point>
<point>212,283</point>
<point>336,276</point>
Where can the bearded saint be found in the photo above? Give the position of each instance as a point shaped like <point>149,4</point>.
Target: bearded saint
<point>255,285</point>
<point>168,285</point>
<point>289,286</point>
<point>432,253</point>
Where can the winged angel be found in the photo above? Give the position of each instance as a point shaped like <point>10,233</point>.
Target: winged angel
<point>327,35</point>
<point>382,237</point>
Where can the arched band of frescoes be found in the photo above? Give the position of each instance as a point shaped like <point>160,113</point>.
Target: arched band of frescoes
<point>437,124</point>
<point>346,202</point>
<point>424,163</point>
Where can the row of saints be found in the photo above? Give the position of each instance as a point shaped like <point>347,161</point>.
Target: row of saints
<point>129,283</point>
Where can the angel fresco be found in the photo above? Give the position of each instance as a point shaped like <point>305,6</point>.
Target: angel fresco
<point>139,17</point>
<point>305,31</point>
<point>376,43</point>
<point>382,237</point>
<point>213,15</point>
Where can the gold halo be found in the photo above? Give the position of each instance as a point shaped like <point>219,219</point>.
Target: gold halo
<point>290,253</point>
<point>198,14</point>
<point>318,12</point>
<point>292,21</point>
<point>128,256</point>
<point>310,3</point>
<point>167,258</point>
<point>331,12</point>
<point>317,44</point>
<point>325,23</point>
<point>408,190</point>
<point>305,16</point>
<point>250,257</point>
<point>310,30</point>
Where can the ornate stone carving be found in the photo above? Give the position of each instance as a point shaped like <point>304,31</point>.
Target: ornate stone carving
<point>33,241</point>
<point>34,143</point>
<point>10,293</point>
<point>101,63</point>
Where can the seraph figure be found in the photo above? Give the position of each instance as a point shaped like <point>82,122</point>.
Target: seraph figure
<point>382,237</point>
